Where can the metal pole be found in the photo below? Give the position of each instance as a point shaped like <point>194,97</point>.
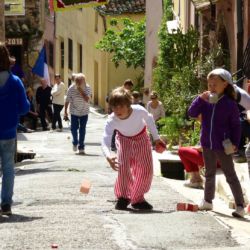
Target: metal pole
<point>2,22</point>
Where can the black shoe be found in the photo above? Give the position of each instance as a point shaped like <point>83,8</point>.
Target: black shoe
<point>6,209</point>
<point>122,204</point>
<point>142,206</point>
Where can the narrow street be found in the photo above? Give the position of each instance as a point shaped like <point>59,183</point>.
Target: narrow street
<point>49,209</point>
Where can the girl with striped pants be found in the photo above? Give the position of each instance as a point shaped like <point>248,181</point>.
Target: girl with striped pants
<point>134,154</point>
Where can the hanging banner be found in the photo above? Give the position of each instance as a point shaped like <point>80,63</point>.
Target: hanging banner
<point>62,5</point>
<point>14,7</point>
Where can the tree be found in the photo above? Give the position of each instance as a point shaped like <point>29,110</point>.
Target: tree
<point>126,44</point>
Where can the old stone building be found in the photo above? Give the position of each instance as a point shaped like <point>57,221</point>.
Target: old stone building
<point>24,27</point>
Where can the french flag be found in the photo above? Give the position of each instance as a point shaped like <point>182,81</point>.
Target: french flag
<point>41,67</point>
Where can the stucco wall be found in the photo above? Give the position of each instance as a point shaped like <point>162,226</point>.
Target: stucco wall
<point>80,26</point>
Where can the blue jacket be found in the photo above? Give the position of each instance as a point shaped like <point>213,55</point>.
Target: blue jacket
<point>13,103</point>
<point>219,121</point>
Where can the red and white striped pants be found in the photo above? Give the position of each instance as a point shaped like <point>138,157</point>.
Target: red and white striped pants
<point>136,166</point>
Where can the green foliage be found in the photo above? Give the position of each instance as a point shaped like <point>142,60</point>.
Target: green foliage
<point>179,131</point>
<point>215,58</point>
<point>127,44</point>
<point>176,80</point>
<point>175,77</point>
<point>192,135</point>
<point>171,127</point>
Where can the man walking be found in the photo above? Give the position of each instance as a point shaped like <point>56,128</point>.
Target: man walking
<point>78,96</point>
<point>13,102</point>
<point>43,100</point>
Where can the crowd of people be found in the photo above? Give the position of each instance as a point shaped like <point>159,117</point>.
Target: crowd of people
<point>216,109</point>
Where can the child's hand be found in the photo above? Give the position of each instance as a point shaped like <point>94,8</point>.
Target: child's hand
<point>160,146</point>
<point>205,95</point>
<point>114,164</point>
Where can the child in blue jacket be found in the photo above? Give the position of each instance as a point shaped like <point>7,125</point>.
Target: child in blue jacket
<point>220,127</point>
<point>13,103</point>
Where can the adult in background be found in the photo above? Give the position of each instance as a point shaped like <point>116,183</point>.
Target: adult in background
<point>43,100</point>
<point>32,115</point>
<point>14,103</point>
<point>78,97</point>
<point>155,107</point>
<point>57,93</point>
<point>137,98</point>
<point>128,84</point>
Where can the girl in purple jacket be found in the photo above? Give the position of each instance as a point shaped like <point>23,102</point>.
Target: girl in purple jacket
<point>220,135</point>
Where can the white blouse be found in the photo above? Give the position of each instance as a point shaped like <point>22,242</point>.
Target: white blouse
<point>157,112</point>
<point>131,126</point>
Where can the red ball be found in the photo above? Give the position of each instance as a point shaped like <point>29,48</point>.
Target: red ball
<point>160,148</point>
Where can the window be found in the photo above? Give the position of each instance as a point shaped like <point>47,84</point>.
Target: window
<point>79,58</point>
<point>62,54</point>
<point>96,22</point>
<point>70,53</point>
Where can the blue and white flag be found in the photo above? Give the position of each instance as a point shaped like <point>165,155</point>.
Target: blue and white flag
<point>41,67</point>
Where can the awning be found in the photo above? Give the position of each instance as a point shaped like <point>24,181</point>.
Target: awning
<point>200,4</point>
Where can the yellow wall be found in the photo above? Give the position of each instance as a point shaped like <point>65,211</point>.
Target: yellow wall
<point>101,74</point>
<point>185,11</point>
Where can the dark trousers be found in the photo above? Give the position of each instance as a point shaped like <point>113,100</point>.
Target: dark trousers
<point>42,113</point>
<point>56,116</point>
<point>78,130</point>
<point>33,120</point>
<point>227,166</point>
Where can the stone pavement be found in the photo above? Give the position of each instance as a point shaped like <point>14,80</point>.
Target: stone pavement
<point>48,207</point>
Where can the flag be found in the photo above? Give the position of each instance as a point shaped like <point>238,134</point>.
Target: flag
<point>51,7</point>
<point>41,67</point>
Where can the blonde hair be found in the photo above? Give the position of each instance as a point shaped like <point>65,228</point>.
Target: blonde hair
<point>120,97</point>
<point>79,78</point>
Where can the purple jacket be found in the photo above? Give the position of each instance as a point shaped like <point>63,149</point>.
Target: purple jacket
<point>219,121</point>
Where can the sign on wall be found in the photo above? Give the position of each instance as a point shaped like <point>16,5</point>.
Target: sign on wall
<point>62,5</point>
<point>14,41</point>
<point>14,7</point>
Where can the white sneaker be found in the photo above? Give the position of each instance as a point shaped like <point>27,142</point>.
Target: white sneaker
<point>205,205</point>
<point>74,148</point>
<point>194,184</point>
<point>81,152</point>
<point>239,212</point>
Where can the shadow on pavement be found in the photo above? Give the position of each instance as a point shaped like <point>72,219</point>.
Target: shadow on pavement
<point>37,170</point>
<point>15,218</point>
<point>230,216</point>
<point>30,162</point>
<point>133,211</point>
<point>89,154</point>
<point>93,144</point>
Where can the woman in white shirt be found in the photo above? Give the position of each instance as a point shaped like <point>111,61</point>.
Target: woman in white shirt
<point>57,92</point>
<point>155,107</point>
